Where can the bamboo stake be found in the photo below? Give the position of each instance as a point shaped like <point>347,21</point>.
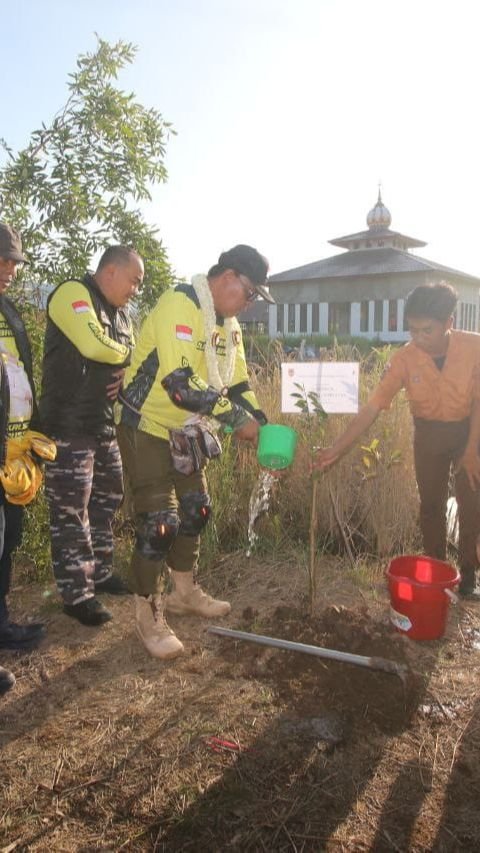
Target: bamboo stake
<point>312,573</point>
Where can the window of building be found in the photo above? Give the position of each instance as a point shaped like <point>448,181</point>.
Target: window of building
<point>280,318</point>
<point>291,319</point>
<point>392,315</point>
<point>466,317</point>
<point>339,318</point>
<point>471,317</point>
<point>364,316</point>
<point>315,317</point>
<point>378,316</point>
<point>303,317</point>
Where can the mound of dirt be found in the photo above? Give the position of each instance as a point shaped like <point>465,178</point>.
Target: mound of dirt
<point>310,685</point>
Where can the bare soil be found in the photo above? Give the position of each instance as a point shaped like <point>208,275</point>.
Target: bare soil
<point>238,747</point>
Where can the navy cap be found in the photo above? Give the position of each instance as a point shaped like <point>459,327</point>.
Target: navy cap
<point>247,261</point>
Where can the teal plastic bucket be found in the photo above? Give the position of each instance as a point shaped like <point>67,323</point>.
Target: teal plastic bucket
<point>276,446</point>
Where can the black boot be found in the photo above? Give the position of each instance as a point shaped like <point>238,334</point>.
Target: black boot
<point>88,612</point>
<point>21,637</point>
<point>114,585</point>
<point>466,587</point>
<point>15,637</point>
<point>7,680</point>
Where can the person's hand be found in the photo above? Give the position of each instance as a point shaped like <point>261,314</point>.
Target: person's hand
<point>114,387</point>
<point>324,457</point>
<point>470,462</point>
<point>248,432</point>
<point>276,473</point>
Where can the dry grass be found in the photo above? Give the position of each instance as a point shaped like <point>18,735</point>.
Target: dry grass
<point>375,509</point>
<point>105,749</point>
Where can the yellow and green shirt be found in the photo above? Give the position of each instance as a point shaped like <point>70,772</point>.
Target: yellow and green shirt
<point>171,350</point>
<point>71,309</point>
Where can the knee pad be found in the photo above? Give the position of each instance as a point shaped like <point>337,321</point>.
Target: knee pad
<point>195,508</point>
<point>156,532</point>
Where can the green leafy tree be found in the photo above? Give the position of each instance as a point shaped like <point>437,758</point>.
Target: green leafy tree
<point>77,185</point>
<point>75,189</point>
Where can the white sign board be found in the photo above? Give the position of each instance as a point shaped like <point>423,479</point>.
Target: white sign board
<point>335,383</point>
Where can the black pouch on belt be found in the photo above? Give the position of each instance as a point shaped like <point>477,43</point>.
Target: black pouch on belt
<point>190,446</point>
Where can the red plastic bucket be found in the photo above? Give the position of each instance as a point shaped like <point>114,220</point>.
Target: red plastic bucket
<point>418,595</point>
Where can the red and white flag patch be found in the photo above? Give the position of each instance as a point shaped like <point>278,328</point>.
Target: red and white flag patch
<point>184,333</point>
<point>81,306</point>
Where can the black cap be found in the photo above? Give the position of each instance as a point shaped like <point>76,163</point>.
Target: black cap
<point>247,261</point>
<point>11,244</point>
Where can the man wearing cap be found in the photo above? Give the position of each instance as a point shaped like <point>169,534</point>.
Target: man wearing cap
<point>188,369</point>
<point>18,412</point>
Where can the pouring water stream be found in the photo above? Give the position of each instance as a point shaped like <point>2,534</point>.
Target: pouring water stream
<point>259,503</point>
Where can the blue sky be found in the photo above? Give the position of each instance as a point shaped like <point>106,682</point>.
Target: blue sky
<point>287,112</point>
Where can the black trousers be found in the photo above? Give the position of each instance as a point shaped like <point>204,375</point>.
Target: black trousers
<point>437,448</point>
<point>11,528</point>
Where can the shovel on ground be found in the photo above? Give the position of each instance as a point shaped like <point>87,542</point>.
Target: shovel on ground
<point>383,664</point>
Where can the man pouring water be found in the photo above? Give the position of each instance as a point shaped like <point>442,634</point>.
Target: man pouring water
<point>188,366</point>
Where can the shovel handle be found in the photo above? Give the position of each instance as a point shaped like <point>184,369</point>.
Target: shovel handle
<point>331,654</point>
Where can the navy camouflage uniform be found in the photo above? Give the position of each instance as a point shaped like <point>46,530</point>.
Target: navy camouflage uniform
<point>84,488</point>
<point>87,341</point>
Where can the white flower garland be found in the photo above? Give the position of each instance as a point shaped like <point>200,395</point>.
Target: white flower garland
<point>220,371</point>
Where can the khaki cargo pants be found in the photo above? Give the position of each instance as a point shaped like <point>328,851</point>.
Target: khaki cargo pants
<point>170,509</point>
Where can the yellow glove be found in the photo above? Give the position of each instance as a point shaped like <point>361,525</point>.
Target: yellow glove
<point>21,477</point>
<point>36,479</point>
<point>15,477</point>
<point>16,447</point>
<point>42,445</point>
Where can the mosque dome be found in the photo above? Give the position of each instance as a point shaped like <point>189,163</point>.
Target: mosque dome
<point>379,217</point>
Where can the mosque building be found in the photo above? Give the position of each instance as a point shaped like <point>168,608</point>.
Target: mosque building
<point>362,291</point>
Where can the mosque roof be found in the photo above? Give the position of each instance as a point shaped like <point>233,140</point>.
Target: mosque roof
<point>365,257</point>
<point>365,262</point>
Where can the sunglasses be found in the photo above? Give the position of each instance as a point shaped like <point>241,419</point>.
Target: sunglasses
<point>250,292</point>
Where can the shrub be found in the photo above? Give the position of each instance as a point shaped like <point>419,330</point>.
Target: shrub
<point>371,504</point>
